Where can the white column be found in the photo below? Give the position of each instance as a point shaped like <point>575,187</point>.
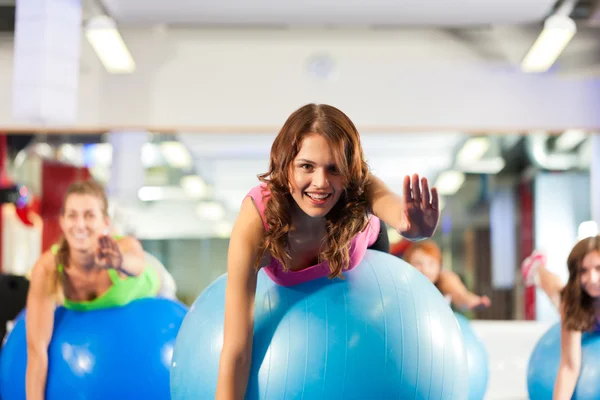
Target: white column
<point>46,61</point>
<point>502,237</point>
<point>126,172</point>
<point>127,177</point>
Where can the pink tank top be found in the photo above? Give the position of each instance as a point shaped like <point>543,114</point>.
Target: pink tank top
<point>275,271</point>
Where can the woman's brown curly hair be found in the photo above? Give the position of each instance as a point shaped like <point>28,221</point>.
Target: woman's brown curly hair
<point>348,217</point>
<point>578,306</point>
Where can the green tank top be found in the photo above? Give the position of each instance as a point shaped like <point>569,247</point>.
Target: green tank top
<point>121,292</point>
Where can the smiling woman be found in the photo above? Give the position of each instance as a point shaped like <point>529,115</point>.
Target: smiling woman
<point>579,305</point>
<point>88,270</point>
<point>314,215</point>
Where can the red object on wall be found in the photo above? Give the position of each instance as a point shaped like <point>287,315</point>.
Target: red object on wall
<point>56,178</point>
<point>3,151</point>
<point>527,240</point>
<point>24,213</point>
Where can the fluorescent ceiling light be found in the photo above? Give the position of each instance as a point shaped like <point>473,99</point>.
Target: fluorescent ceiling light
<point>485,166</point>
<point>105,39</point>
<point>151,155</point>
<point>587,229</point>
<point>448,182</point>
<point>194,186</point>
<point>44,150</point>
<point>211,211</point>
<point>161,193</point>
<point>473,150</point>
<point>151,193</point>
<point>558,31</point>
<point>176,155</point>
<point>223,229</point>
<point>103,154</point>
<point>570,139</point>
<point>68,152</point>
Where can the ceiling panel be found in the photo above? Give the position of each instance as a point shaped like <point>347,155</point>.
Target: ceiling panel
<point>330,12</point>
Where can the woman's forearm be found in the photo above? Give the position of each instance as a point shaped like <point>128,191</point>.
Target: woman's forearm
<point>36,375</point>
<point>465,300</point>
<point>566,379</point>
<point>133,264</point>
<point>234,370</point>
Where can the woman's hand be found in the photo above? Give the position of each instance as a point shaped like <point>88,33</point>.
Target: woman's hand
<point>421,209</point>
<point>108,254</point>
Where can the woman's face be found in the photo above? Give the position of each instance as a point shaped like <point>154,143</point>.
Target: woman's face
<point>426,264</point>
<point>315,183</point>
<point>590,274</point>
<point>83,221</point>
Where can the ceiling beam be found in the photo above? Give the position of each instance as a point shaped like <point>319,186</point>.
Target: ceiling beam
<point>269,130</point>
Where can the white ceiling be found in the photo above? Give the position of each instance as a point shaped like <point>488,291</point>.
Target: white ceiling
<point>329,12</point>
<point>231,162</point>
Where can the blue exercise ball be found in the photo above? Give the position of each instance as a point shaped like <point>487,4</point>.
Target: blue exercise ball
<point>383,332</point>
<point>114,353</point>
<point>478,360</point>
<point>545,359</point>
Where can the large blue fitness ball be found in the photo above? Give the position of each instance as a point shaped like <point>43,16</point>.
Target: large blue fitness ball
<point>116,353</point>
<point>545,359</point>
<point>384,332</point>
<point>478,360</point>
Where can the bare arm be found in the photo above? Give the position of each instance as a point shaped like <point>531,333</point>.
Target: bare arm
<point>450,284</point>
<point>39,319</point>
<point>384,203</point>
<point>134,258</point>
<point>236,355</point>
<point>570,364</point>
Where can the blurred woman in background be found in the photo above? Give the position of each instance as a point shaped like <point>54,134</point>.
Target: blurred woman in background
<point>88,270</point>
<point>427,258</point>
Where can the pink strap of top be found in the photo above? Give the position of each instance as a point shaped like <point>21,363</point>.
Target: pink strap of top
<point>274,270</point>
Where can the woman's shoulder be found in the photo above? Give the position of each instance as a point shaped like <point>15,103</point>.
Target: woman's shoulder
<point>259,195</point>
<point>259,191</point>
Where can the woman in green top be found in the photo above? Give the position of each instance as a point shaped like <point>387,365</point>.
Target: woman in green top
<point>88,270</point>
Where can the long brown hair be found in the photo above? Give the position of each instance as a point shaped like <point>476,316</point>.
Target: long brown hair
<point>88,187</point>
<point>348,217</point>
<point>578,306</point>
